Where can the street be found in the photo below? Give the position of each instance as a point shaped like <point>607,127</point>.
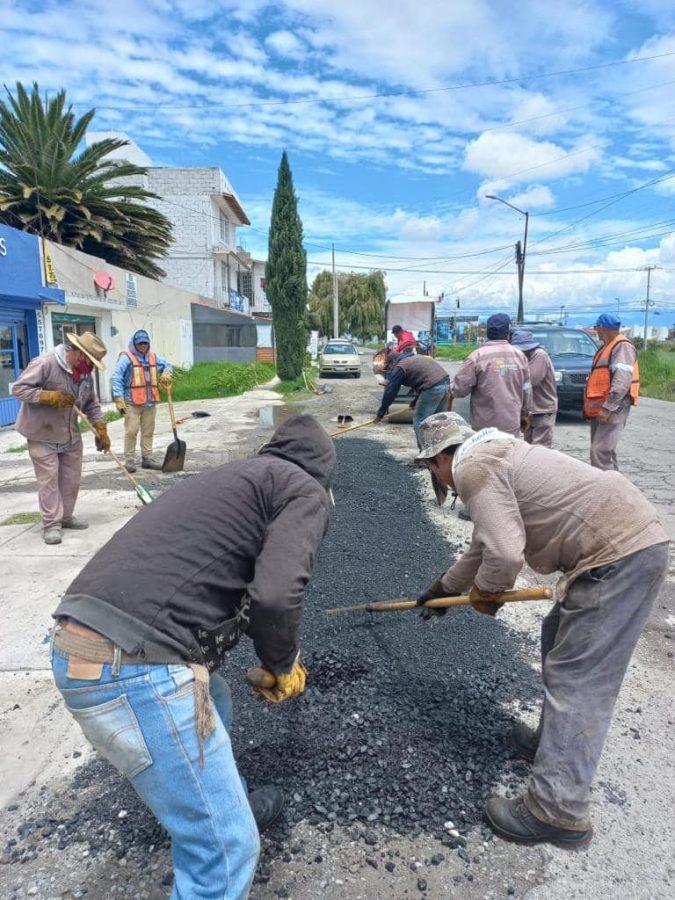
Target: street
<point>388,757</point>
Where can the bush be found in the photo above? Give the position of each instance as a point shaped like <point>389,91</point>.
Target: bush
<point>219,379</point>
<point>657,374</point>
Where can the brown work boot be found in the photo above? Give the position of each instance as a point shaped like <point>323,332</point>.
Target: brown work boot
<point>148,463</point>
<point>524,740</point>
<point>512,820</point>
<point>130,466</point>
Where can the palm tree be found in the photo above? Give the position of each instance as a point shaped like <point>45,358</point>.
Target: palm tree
<point>78,198</point>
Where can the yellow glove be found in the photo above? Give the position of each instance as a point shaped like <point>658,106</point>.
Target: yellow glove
<point>484,602</point>
<point>287,686</point>
<point>121,405</point>
<point>58,399</point>
<point>166,379</point>
<point>101,440</point>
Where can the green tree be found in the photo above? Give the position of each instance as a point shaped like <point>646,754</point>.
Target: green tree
<point>77,198</point>
<point>361,303</point>
<point>286,274</point>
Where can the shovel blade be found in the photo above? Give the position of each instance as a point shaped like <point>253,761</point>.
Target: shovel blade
<point>174,459</point>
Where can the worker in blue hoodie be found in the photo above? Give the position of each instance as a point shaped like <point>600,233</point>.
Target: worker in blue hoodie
<point>135,384</point>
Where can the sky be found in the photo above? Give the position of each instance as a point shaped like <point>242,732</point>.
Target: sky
<point>398,120</point>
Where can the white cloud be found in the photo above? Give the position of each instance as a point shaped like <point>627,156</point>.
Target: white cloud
<point>286,44</point>
<point>538,196</point>
<point>516,158</point>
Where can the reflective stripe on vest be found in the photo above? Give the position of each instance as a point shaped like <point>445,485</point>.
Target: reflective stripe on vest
<point>599,383</point>
<point>139,386</point>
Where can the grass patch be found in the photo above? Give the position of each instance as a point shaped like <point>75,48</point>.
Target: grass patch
<point>219,379</point>
<point>18,449</point>
<point>111,416</point>
<point>22,518</point>
<point>657,374</point>
<point>455,352</point>
<point>296,385</point>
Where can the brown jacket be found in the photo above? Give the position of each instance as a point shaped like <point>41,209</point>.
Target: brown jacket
<point>498,378</point>
<point>542,379</point>
<point>535,505</point>
<point>47,423</point>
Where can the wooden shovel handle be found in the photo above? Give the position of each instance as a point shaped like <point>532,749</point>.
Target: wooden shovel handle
<point>351,428</point>
<point>169,400</point>
<point>535,593</point>
<point>110,450</point>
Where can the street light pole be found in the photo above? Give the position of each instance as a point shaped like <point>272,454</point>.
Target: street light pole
<point>649,270</point>
<point>520,254</point>
<point>336,313</point>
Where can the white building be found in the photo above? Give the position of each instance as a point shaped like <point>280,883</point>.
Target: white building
<point>205,257</point>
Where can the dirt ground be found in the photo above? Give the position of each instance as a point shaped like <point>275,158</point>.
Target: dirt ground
<point>388,757</point>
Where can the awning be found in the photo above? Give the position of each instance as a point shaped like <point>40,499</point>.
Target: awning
<point>44,295</point>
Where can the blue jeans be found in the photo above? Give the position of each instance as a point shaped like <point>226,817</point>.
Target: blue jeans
<point>433,400</point>
<point>143,722</point>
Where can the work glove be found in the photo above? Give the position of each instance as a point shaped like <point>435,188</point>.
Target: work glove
<point>58,399</point>
<point>484,601</point>
<point>434,590</point>
<point>166,379</point>
<point>525,421</point>
<point>101,440</point>
<point>287,686</point>
<point>121,405</point>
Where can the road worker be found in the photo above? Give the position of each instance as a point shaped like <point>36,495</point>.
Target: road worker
<point>613,386</point>
<point>428,380</point>
<point>538,427</point>
<point>533,505</point>
<point>135,385</point>
<point>403,337</point>
<point>497,378</point>
<point>226,553</point>
<point>49,387</point>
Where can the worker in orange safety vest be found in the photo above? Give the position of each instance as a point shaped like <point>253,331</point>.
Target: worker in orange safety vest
<point>613,386</point>
<point>135,384</point>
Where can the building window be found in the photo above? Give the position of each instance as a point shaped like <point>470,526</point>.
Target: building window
<point>245,284</point>
<point>225,282</point>
<point>224,229</point>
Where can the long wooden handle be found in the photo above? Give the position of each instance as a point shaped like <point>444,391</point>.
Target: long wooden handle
<point>352,428</point>
<point>109,450</point>
<point>534,593</point>
<point>172,415</point>
<point>259,677</point>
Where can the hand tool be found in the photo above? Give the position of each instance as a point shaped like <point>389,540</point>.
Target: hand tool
<point>533,593</point>
<point>174,458</point>
<point>344,430</point>
<point>142,492</point>
<point>197,414</point>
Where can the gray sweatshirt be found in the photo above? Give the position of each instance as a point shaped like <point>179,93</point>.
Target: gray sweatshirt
<point>542,379</point>
<point>49,424</point>
<point>537,506</point>
<point>498,378</point>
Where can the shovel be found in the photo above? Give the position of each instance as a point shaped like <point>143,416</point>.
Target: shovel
<point>174,458</point>
<point>345,430</point>
<point>142,492</point>
<point>533,593</point>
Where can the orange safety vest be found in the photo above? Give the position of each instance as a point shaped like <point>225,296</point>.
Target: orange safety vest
<point>139,386</point>
<point>599,381</point>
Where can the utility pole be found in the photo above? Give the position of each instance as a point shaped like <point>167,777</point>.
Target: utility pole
<point>424,288</point>
<point>521,252</point>
<point>618,307</point>
<point>336,312</point>
<point>563,316</point>
<point>648,270</point>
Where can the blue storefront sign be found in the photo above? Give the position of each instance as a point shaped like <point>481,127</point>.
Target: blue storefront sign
<point>22,294</point>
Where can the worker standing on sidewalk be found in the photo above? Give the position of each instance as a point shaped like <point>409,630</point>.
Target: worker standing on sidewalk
<point>49,387</point>
<point>497,377</point>
<point>613,386</point>
<point>426,377</point>
<point>135,384</point>
<point>538,427</point>
<point>533,505</point>
<point>140,636</point>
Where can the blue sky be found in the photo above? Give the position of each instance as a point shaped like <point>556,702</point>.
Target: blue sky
<point>398,119</point>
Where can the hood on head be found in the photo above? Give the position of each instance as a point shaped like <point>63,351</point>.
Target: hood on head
<point>301,440</point>
<point>140,335</point>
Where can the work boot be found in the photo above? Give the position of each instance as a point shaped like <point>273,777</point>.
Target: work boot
<point>512,820</point>
<point>130,466</point>
<point>52,535</point>
<point>266,804</point>
<point>75,523</point>
<point>150,464</point>
<point>464,514</point>
<point>524,740</point>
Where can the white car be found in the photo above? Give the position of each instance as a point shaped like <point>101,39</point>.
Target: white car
<point>339,357</point>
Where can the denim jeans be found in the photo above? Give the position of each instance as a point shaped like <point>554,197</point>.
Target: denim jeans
<point>433,400</point>
<point>143,722</point>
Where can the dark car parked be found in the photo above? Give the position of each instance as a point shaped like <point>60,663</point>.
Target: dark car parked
<point>571,352</point>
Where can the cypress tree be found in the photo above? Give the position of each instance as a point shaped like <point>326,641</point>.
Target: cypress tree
<point>286,275</point>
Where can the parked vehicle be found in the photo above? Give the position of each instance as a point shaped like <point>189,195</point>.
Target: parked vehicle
<point>339,357</point>
<point>571,351</point>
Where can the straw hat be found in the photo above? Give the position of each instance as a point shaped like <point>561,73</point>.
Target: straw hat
<point>91,345</point>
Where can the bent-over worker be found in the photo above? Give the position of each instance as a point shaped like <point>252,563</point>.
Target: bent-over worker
<point>135,384</point>
<point>140,635</point>
<point>403,338</point>
<point>540,424</point>
<point>428,380</point>
<point>49,387</point>
<point>533,505</point>
<point>497,377</point>
<point>613,386</point>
